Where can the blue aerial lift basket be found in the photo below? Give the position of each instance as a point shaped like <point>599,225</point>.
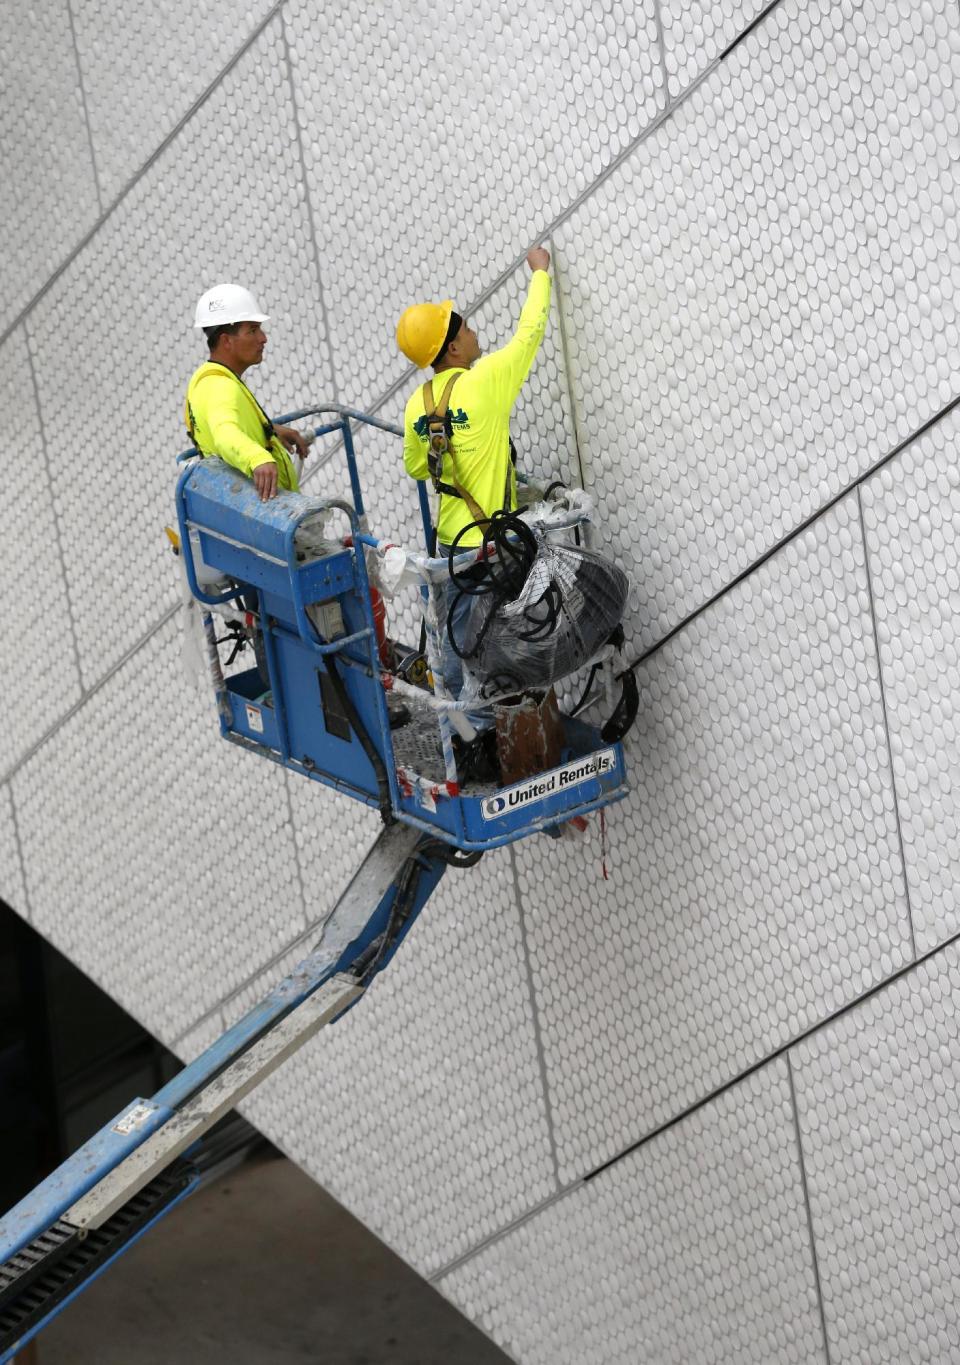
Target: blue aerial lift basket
<point>318,700</point>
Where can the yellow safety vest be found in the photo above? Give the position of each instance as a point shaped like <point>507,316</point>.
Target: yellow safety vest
<point>223,418</point>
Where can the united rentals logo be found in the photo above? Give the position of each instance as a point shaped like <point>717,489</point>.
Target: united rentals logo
<point>548,784</point>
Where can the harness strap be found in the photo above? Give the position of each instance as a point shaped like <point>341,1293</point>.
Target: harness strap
<point>269,431</point>
<point>439,433</point>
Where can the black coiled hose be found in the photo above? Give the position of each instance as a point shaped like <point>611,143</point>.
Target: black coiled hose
<point>506,557</point>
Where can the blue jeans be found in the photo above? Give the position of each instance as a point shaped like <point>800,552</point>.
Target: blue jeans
<point>449,598</point>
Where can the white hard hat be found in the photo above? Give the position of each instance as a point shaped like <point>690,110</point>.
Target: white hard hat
<point>227,303</point>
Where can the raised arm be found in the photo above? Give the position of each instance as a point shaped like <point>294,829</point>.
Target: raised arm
<point>511,364</point>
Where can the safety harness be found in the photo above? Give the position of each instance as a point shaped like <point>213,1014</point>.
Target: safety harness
<point>440,457</point>
<point>439,450</point>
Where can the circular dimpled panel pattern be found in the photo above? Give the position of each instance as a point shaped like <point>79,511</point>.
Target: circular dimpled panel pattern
<point>177,47</point>
<point>755,874</point>
<point>877,1101</point>
<point>38,651</point>
<point>12,888</point>
<point>441,139</point>
<point>159,858</point>
<point>45,159</point>
<point>912,516</point>
<point>432,1125</point>
<point>695,32</point>
<point>765,296</point>
<point>693,1250</point>
<point>114,341</point>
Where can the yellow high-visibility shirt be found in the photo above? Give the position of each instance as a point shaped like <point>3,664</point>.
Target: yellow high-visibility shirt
<point>480,407</point>
<point>223,418</point>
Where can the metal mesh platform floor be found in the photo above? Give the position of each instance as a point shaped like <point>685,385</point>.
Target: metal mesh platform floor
<point>416,747</point>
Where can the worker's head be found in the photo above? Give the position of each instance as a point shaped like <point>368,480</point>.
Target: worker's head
<point>433,334</point>
<point>460,347</point>
<point>231,320</point>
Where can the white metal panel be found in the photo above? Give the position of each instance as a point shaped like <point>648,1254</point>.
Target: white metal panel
<point>765,296</point>
<point>694,1250</point>
<point>115,342</point>
<point>158,858</point>
<point>441,139</point>
<point>38,655</point>
<point>423,1109</point>
<point>877,1100</point>
<point>174,51</point>
<point>912,518</point>
<point>695,32</point>
<point>755,876</point>
<point>12,888</point>
<point>46,165</point>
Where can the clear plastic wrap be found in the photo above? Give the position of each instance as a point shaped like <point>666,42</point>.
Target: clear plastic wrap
<point>569,603</point>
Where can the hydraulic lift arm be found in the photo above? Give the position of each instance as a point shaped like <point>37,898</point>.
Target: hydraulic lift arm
<point>110,1192</point>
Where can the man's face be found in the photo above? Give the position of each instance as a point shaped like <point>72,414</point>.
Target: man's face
<point>248,344</point>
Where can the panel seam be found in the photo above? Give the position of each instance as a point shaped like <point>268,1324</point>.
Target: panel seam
<point>657,122</point>
<point>792,535</point>
<point>537,1033</point>
<point>705,1100</point>
<point>86,110</point>
<point>297,941</point>
<point>567,372</point>
<point>296,850</point>
<point>534,1211</point>
<point>309,198</point>
<point>661,40</point>
<point>886,723</point>
<point>91,691</point>
<point>883,984</point>
<point>28,909</point>
<point>806,1200</point>
<point>53,507</point>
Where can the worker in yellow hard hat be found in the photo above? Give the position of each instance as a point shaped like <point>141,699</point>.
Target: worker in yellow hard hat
<point>222,415</point>
<point>473,396</point>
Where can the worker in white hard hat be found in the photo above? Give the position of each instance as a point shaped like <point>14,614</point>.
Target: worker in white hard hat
<point>472,400</point>
<point>222,415</point>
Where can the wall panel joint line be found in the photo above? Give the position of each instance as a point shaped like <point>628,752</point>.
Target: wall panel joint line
<point>27,912</point>
<point>135,179</point>
<point>806,1201</point>
<point>886,722</point>
<point>86,111</point>
<point>53,507</point>
<point>538,1037</point>
<point>310,214</point>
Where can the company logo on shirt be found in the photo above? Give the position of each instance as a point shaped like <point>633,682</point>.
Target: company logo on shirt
<point>457,416</point>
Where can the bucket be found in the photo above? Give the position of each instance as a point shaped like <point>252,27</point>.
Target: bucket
<point>529,735</point>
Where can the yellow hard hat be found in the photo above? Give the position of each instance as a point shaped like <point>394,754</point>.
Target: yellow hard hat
<point>422,330</point>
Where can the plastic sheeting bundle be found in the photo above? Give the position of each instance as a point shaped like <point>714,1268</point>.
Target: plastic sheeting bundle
<point>570,601</point>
